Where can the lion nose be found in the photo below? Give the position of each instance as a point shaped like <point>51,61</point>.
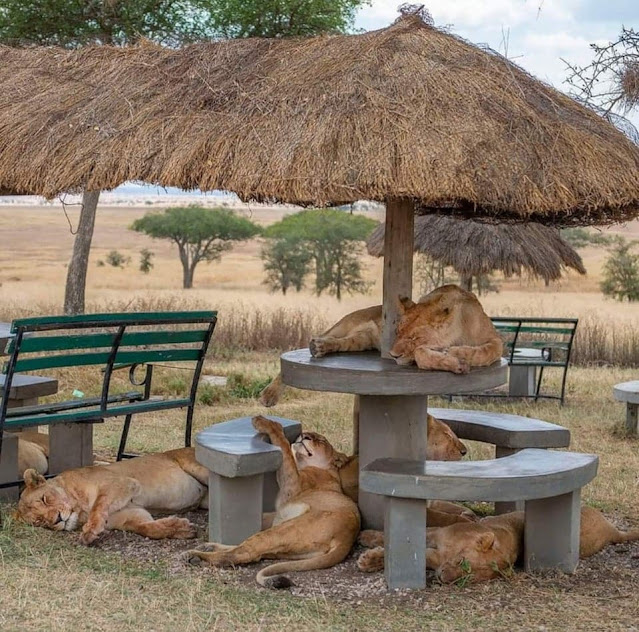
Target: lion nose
<point>463,449</point>
<point>59,518</point>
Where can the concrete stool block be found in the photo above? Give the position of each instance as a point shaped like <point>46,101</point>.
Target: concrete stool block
<point>70,446</point>
<point>9,467</point>
<point>551,532</point>
<point>405,543</point>
<point>242,481</point>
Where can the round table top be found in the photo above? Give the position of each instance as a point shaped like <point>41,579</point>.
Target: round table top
<point>627,392</point>
<point>367,373</point>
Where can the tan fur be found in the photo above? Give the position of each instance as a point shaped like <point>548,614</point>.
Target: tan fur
<point>33,452</point>
<point>447,330</point>
<point>118,496</point>
<point>485,549</point>
<point>315,524</point>
<point>442,445</point>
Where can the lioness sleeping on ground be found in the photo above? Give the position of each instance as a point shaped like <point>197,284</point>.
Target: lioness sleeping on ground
<point>447,330</point>
<point>315,524</point>
<point>118,496</point>
<point>483,550</point>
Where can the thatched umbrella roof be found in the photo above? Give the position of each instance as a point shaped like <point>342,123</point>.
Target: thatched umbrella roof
<point>408,111</point>
<point>475,248</point>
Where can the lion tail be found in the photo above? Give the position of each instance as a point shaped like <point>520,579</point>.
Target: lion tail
<point>272,576</point>
<point>627,536</point>
<point>272,392</point>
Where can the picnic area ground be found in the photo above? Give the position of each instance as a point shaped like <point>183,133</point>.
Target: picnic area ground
<point>125,582</point>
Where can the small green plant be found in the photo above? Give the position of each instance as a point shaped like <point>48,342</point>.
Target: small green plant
<point>241,386</point>
<point>175,385</point>
<point>117,259</point>
<point>146,265</point>
<point>465,579</point>
<point>208,395</point>
<point>100,263</point>
<point>621,272</point>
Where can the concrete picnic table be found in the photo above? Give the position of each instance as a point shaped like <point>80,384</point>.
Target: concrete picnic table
<point>393,403</point>
<point>629,392</point>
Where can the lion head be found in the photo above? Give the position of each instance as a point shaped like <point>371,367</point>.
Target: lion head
<point>45,504</point>
<point>443,444</point>
<point>314,450</point>
<point>429,322</point>
<point>466,550</point>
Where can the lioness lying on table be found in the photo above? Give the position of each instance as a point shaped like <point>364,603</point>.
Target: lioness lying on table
<point>118,496</point>
<point>485,549</point>
<point>315,523</point>
<point>447,330</point>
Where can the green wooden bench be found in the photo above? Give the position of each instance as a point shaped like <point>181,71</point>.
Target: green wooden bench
<point>112,342</point>
<point>535,343</point>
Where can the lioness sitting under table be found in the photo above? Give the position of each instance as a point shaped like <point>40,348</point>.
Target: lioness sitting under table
<point>315,523</point>
<point>483,550</point>
<point>118,496</point>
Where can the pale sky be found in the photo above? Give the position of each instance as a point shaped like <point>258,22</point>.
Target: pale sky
<point>537,33</point>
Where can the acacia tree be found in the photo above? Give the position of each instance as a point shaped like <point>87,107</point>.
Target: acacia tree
<point>200,234</point>
<point>610,82</point>
<point>621,272</point>
<point>286,263</point>
<point>280,18</point>
<point>334,241</point>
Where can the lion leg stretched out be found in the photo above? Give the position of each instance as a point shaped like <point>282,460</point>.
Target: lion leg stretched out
<point>118,496</point>
<point>447,330</point>
<point>315,524</point>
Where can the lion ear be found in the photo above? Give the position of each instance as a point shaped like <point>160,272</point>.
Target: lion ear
<point>404,303</point>
<point>486,541</point>
<point>33,479</point>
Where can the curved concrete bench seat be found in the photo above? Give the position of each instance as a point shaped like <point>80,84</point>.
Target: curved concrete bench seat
<point>550,482</point>
<point>628,392</point>
<point>242,483</point>
<point>526,475</point>
<point>505,431</point>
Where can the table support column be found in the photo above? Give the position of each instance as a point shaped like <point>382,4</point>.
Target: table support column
<point>389,426</point>
<point>522,381</point>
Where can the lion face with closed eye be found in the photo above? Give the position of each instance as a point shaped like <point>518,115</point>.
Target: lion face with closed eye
<point>313,450</point>
<point>45,504</point>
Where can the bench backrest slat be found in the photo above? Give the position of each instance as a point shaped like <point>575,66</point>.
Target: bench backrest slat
<point>95,341</point>
<point>122,357</point>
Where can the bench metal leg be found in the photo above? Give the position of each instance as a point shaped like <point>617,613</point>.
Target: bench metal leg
<point>235,507</point>
<point>405,543</point>
<point>507,507</point>
<point>551,533</point>
<point>521,381</point>
<point>9,467</point>
<point>389,426</point>
<point>70,445</point>
<point>632,419</point>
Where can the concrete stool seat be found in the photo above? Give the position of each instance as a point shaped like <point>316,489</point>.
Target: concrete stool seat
<point>629,392</point>
<point>242,484</point>
<point>549,482</point>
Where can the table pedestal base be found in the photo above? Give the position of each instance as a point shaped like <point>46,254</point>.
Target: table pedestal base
<point>389,426</point>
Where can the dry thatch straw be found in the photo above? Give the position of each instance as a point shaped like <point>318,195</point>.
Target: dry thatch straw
<point>630,84</point>
<point>408,111</point>
<point>476,248</point>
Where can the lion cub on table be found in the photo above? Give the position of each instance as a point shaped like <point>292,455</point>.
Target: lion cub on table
<point>118,496</point>
<point>315,523</point>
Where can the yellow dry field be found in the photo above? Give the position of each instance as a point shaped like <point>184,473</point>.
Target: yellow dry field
<point>50,582</point>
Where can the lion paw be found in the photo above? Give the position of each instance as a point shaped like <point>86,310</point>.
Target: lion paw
<point>372,560</point>
<point>269,397</point>
<point>89,536</point>
<point>264,425</point>
<point>183,529</point>
<point>462,368</point>
<point>192,557</point>
<point>318,347</point>
<point>370,538</point>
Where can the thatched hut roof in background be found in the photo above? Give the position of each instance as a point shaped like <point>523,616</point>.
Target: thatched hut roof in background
<point>408,111</point>
<point>474,248</point>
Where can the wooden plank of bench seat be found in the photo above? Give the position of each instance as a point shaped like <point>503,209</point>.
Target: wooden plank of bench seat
<point>528,474</point>
<point>502,429</point>
<point>30,386</point>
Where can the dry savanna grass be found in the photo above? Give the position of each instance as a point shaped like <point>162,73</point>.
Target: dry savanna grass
<point>50,582</point>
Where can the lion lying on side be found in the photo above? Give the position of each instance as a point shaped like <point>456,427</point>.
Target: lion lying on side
<point>315,524</point>
<point>447,330</point>
<point>118,496</point>
<point>484,549</point>
<point>33,452</point>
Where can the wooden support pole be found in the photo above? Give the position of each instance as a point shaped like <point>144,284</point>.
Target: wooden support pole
<point>398,265</point>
